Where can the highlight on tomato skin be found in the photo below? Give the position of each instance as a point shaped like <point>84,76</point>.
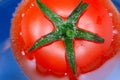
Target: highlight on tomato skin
<point>29,24</point>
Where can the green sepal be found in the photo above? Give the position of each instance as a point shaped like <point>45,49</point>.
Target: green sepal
<point>86,35</point>
<point>70,53</point>
<point>77,12</point>
<point>50,14</point>
<point>46,40</point>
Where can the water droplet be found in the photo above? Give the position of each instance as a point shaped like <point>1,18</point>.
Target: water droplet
<point>115,32</point>
<point>23,53</point>
<point>112,39</point>
<point>65,74</point>
<point>110,14</point>
<point>23,14</point>
<point>113,26</point>
<point>106,9</point>
<point>20,33</point>
<point>32,4</point>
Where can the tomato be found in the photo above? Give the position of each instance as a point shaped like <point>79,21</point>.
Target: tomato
<point>30,24</point>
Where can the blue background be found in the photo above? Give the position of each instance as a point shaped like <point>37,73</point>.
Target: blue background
<point>9,69</point>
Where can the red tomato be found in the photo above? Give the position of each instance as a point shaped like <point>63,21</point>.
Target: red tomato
<point>30,24</point>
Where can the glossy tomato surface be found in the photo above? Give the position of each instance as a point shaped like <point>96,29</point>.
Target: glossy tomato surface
<point>30,24</point>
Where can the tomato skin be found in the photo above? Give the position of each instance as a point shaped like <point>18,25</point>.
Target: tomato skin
<point>35,26</point>
<point>32,28</point>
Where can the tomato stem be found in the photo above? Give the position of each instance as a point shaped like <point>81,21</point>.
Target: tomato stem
<point>70,33</point>
<point>66,31</point>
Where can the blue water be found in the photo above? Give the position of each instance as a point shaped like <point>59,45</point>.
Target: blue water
<point>9,69</point>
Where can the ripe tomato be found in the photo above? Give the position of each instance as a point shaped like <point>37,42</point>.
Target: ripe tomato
<point>29,24</point>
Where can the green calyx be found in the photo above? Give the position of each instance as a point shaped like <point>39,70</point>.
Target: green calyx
<point>66,30</point>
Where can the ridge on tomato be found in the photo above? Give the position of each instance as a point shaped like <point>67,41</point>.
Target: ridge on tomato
<point>32,24</point>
